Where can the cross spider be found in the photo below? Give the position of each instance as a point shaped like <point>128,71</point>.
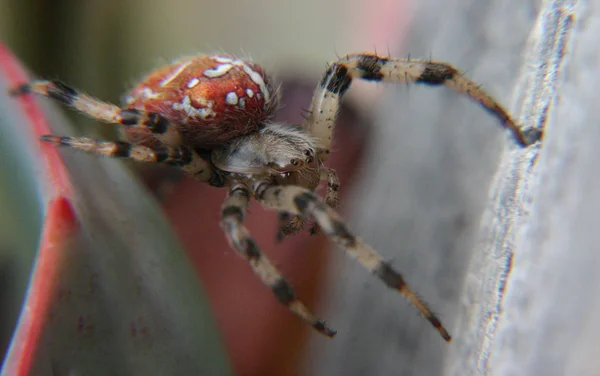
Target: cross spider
<point>210,116</point>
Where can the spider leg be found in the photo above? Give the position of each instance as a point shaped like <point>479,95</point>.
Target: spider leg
<point>233,213</point>
<point>369,67</point>
<point>332,196</point>
<point>300,201</point>
<point>157,124</point>
<point>183,157</point>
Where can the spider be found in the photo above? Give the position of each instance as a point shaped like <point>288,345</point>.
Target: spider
<point>210,116</point>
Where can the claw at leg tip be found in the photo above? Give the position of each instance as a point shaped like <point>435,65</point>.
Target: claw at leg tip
<point>19,90</point>
<point>55,140</point>
<point>323,329</point>
<point>447,337</point>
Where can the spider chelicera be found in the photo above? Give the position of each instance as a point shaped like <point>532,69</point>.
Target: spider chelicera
<point>210,116</point>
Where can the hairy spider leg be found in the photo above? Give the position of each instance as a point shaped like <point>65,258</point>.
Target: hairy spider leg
<point>182,156</point>
<point>303,202</point>
<point>339,75</point>
<point>157,124</point>
<point>233,212</point>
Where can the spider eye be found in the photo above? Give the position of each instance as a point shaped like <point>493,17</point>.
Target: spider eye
<point>309,159</point>
<point>307,153</point>
<point>294,162</point>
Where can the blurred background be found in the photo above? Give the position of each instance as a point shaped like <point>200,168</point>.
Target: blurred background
<point>416,163</point>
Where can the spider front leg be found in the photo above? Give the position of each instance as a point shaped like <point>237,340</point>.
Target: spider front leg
<point>156,124</point>
<point>303,202</point>
<point>182,156</point>
<point>370,67</point>
<point>233,213</point>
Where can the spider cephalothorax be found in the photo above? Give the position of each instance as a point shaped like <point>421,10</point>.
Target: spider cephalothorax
<point>210,116</point>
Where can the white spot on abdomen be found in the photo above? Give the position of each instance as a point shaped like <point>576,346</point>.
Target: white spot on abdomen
<point>193,82</point>
<point>223,59</point>
<point>218,71</point>
<point>257,79</point>
<point>229,63</point>
<point>187,107</point>
<point>174,75</point>
<point>249,93</point>
<point>231,98</point>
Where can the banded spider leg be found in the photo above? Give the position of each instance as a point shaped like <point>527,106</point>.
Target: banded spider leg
<point>168,151</point>
<point>156,124</point>
<point>336,81</point>
<point>233,213</point>
<point>303,202</point>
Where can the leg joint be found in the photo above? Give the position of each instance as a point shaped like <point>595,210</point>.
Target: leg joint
<point>157,123</point>
<point>303,200</point>
<point>389,276</point>
<point>370,67</point>
<point>336,79</point>
<point>61,92</point>
<point>283,292</point>
<point>130,117</point>
<point>437,74</point>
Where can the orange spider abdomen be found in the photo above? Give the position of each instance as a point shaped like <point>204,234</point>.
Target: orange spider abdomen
<point>210,98</point>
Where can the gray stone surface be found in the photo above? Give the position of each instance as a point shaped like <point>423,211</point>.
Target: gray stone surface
<point>499,240</point>
<point>549,323</point>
